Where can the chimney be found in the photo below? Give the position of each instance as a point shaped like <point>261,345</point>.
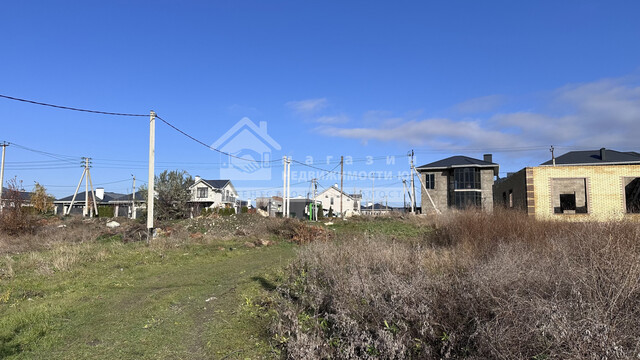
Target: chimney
<point>488,158</point>
<point>603,154</point>
<point>196,179</point>
<point>263,126</point>
<point>100,193</point>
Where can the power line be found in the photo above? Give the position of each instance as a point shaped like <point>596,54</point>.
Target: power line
<point>208,146</point>
<point>70,108</point>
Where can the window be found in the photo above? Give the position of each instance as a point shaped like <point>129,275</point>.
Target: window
<point>430,181</point>
<point>632,195</point>
<point>467,199</point>
<point>569,196</point>
<point>331,201</point>
<point>203,192</point>
<point>466,178</point>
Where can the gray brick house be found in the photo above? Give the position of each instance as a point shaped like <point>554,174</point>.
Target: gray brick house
<point>458,182</point>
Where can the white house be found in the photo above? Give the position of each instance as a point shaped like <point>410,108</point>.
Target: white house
<point>330,198</point>
<point>213,194</point>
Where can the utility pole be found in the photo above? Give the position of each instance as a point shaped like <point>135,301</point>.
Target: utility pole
<point>413,187</point>
<point>133,198</point>
<point>284,186</point>
<point>86,173</point>
<point>373,194</point>
<point>288,186</point>
<point>151,192</point>
<point>553,158</point>
<point>315,206</point>
<point>404,196</point>
<point>341,183</point>
<point>4,146</point>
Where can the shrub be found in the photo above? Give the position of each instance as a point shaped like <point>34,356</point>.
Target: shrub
<point>501,286</point>
<point>105,211</point>
<point>16,218</point>
<point>244,210</point>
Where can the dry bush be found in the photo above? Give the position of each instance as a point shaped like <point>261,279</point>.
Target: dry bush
<point>501,286</point>
<point>16,219</point>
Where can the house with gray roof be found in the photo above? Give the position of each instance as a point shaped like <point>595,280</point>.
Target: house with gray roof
<point>599,184</point>
<point>212,194</point>
<point>457,182</point>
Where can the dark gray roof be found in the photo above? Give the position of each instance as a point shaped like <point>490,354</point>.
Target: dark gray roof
<point>140,196</point>
<point>376,206</point>
<point>218,184</point>
<point>456,161</point>
<point>24,195</point>
<point>108,196</point>
<point>595,157</point>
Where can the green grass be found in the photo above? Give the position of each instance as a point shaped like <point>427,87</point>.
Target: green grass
<point>128,301</point>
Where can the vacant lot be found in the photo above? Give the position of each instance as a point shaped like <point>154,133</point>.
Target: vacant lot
<point>471,285</point>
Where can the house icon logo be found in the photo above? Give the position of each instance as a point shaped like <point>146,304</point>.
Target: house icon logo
<point>252,145</point>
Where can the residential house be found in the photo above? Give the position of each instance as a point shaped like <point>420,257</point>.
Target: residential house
<point>331,197</point>
<point>8,201</point>
<point>103,198</point>
<point>128,205</point>
<point>376,209</point>
<point>213,194</point>
<point>579,185</point>
<point>457,182</point>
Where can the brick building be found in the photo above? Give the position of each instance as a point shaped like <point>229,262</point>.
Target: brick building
<point>579,185</point>
<point>457,182</point>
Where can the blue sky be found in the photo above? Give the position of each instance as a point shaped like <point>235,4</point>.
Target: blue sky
<point>329,78</point>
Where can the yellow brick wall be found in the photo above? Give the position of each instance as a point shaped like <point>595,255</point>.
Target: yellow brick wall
<point>605,190</point>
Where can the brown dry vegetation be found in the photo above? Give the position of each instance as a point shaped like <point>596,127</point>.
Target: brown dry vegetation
<point>480,286</point>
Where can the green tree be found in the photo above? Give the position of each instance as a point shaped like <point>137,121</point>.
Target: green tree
<point>172,194</point>
<point>40,200</point>
<point>330,214</point>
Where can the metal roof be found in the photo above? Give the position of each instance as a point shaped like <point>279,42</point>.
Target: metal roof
<point>457,161</point>
<point>595,157</point>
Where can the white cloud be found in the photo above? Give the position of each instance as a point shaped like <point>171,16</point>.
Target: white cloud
<point>306,107</point>
<point>603,113</point>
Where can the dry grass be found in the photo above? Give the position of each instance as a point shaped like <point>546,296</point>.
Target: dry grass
<point>498,286</point>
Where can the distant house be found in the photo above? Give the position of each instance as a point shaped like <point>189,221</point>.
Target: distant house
<point>213,194</point>
<point>579,185</point>
<point>128,205</point>
<point>457,182</point>
<point>103,198</point>
<point>376,209</point>
<point>331,197</point>
<point>25,198</point>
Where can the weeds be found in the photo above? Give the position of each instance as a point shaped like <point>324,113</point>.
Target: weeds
<point>501,286</point>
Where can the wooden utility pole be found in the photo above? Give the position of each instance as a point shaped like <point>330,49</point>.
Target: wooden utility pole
<point>151,192</point>
<point>4,146</point>
<point>341,183</point>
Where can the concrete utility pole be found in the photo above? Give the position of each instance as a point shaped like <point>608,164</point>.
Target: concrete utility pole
<point>413,188</point>
<point>315,206</point>
<point>553,157</point>
<point>86,173</point>
<point>133,198</point>
<point>4,146</point>
<point>151,191</point>
<point>341,183</point>
<point>284,185</point>
<point>373,194</point>
<point>288,186</point>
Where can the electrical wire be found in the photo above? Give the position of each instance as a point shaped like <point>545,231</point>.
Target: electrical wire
<point>70,108</point>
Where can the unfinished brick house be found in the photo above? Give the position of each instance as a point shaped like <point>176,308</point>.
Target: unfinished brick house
<point>457,182</point>
<point>579,185</point>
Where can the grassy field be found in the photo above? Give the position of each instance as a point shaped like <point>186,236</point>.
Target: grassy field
<point>197,297</point>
